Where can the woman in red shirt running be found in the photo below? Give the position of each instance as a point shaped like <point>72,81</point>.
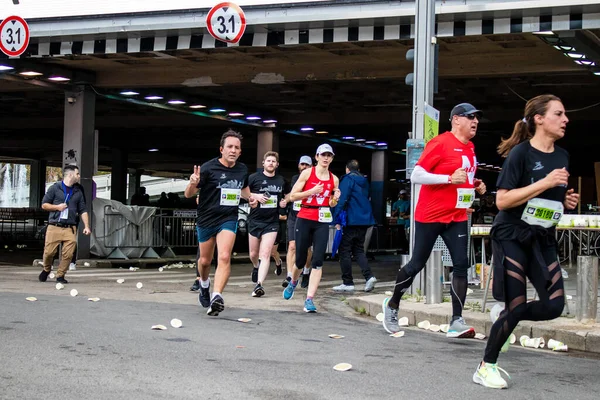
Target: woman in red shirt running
<point>318,190</point>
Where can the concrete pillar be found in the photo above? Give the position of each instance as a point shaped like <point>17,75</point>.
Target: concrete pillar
<point>379,176</point>
<point>267,140</point>
<point>118,177</point>
<point>37,182</point>
<point>79,147</point>
<point>135,181</point>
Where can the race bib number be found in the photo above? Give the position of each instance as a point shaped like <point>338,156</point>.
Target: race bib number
<point>230,197</point>
<point>325,215</point>
<point>464,198</point>
<point>64,214</point>
<point>297,205</point>
<point>270,203</point>
<point>542,212</point>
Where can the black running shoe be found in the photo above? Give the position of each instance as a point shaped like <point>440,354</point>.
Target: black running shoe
<point>258,291</point>
<point>255,275</point>
<point>305,279</point>
<point>286,282</point>
<point>43,276</point>
<point>278,268</point>
<point>61,279</point>
<point>195,287</point>
<point>204,297</point>
<point>217,305</point>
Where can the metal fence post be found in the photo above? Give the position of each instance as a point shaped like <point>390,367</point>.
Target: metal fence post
<point>434,276</point>
<point>587,288</point>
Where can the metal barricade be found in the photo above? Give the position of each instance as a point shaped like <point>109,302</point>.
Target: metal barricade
<point>120,233</point>
<point>176,230</point>
<point>22,224</point>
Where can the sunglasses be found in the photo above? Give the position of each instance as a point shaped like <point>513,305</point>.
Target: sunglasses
<point>469,116</point>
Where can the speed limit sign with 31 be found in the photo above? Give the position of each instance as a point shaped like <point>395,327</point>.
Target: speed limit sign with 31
<point>226,22</point>
<point>14,36</point>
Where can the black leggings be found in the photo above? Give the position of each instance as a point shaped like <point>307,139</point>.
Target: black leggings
<point>456,239</point>
<point>519,263</point>
<point>311,233</point>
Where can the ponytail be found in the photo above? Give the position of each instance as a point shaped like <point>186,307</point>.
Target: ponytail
<point>525,128</point>
<point>519,134</point>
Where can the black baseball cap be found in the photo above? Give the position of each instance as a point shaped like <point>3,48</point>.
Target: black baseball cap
<point>463,109</point>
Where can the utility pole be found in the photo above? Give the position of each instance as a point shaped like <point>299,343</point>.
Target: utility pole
<point>423,86</point>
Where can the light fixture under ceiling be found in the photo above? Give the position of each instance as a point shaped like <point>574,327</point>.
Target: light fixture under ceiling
<point>129,93</point>
<point>306,129</point>
<point>270,121</point>
<point>5,68</point>
<point>153,150</point>
<point>253,118</point>
<point>217,110</point>
<point>176,102</point>
<point>59,79</point>
<point>235,114</point>
<point>30,73</point>
<point>197,106</point>
<point>153,97</point>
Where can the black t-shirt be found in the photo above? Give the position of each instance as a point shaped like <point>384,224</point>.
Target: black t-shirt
<point>275,188</point>
<point>526,165</point>
<point>216,182</point>
<point>291,212</point>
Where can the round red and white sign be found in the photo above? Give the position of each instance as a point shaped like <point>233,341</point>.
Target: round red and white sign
<point>226,22</point>
<point>14,36</point>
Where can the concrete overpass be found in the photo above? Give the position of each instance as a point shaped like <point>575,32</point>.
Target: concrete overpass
<point>337,67</point>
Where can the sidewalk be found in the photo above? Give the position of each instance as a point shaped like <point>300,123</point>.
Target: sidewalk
<point>577,336</point>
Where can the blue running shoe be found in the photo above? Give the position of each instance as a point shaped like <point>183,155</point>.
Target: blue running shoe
<point>309,306</point>
<point>288,292</point>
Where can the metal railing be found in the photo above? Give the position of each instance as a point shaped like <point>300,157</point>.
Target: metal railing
<point>22,224</point>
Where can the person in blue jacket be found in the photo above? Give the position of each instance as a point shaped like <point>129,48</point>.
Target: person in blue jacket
<point>354,201</point>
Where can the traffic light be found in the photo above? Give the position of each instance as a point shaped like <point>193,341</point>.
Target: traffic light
<point>410,78</point>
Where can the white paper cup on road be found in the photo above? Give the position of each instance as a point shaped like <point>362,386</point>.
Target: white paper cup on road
<point>59,286</point>
<point>552,344</point>
<point>176,323</point>
<point>139,285</point>
<point>120,280</point>
<point>526,341</point>
<point>434,328</point>
<point>86,264</point>
<point>403,321</point>
<point>342,367</point>
<point>51,276</point>
<point>74,292</point>
<point>379,317</point>
<point>424,324</point>
<point>444,328</point>
<point>512,339</point>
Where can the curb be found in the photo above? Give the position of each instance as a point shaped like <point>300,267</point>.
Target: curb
<point>138,262</point>
<point>577,336</point>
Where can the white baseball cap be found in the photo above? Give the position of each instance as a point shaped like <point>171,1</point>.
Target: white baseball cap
<point>305,160</point>
<point>324,148</point>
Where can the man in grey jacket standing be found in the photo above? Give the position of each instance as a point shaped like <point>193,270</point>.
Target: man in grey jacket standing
<point>359,217</point>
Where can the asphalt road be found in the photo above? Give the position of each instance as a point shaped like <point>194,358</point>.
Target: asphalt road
<point>63,347</point>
